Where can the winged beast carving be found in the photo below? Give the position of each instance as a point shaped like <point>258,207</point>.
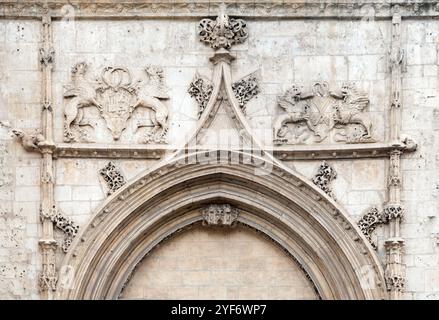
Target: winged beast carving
<point>116,98</point>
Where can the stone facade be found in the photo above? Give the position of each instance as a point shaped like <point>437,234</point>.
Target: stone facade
<point>223,265</point>
<point>357,95</point>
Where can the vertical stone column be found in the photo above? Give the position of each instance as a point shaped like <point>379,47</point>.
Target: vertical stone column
<point>393,210</point>
<point>48,277</point>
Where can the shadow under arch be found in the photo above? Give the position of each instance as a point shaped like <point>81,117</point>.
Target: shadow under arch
<point>283,205</point>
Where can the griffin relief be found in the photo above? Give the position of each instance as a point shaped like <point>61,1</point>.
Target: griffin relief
<point>116,97</point>
<point>321,115</point>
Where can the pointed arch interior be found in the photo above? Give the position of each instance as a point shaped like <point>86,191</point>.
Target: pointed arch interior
<point>276,201</point>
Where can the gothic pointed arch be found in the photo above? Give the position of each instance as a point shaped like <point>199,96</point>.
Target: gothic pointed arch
<point>170,196</point>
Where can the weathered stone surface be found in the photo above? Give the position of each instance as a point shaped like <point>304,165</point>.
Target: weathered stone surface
<point>251,268</point>
<point>284,52</point>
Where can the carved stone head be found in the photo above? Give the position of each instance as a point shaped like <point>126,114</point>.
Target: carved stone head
<point>347,87</point>
<point>80,68</point>
<point>154,71</point>
<point>293,93</point>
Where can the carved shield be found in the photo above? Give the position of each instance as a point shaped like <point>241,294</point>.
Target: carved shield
<point>117,98</point>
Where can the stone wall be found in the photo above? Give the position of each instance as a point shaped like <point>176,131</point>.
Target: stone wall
<point>280,52</point>
<point>20,84</point>
<point>223,264</point>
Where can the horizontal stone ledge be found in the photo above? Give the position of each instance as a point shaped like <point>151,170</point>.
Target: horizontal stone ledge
<point>291,152</point>
<point>201,8</point>
<point>337,151</point>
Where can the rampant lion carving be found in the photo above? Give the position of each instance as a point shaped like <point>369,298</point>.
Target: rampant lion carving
<point>116,98</point>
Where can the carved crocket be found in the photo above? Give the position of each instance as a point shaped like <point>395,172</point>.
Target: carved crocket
<point>295,106</point>
<point>82,95</point>
<point>351,107</point>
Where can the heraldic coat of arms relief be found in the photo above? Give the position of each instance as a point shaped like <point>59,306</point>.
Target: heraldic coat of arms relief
<point>116,97</point>
<point>322,115</point>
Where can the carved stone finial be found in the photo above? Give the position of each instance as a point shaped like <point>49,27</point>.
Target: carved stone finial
<point>113,177</point>
<point>245,89</point>
<point>220,215</point>
<point>200,89</point>
<point>222,32</point>
<point>324,176</point>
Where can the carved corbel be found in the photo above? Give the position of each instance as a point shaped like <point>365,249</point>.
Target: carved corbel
<point>393,211</point>
<point>30,141</point>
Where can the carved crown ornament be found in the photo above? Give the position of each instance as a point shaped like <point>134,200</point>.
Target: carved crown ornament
<point>223,32</point>
<point>116,96</point>
<point>319,115</point>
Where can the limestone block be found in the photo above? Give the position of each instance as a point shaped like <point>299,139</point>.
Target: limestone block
<point>84,193</point>
<point>27,176</point>
<point>418,54</point>
<point>312,68</point>
<point>27,194</point>
<point>365,67</point>
<point>63,193</point>
<point>91,37</point>
<point>368,175</point>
